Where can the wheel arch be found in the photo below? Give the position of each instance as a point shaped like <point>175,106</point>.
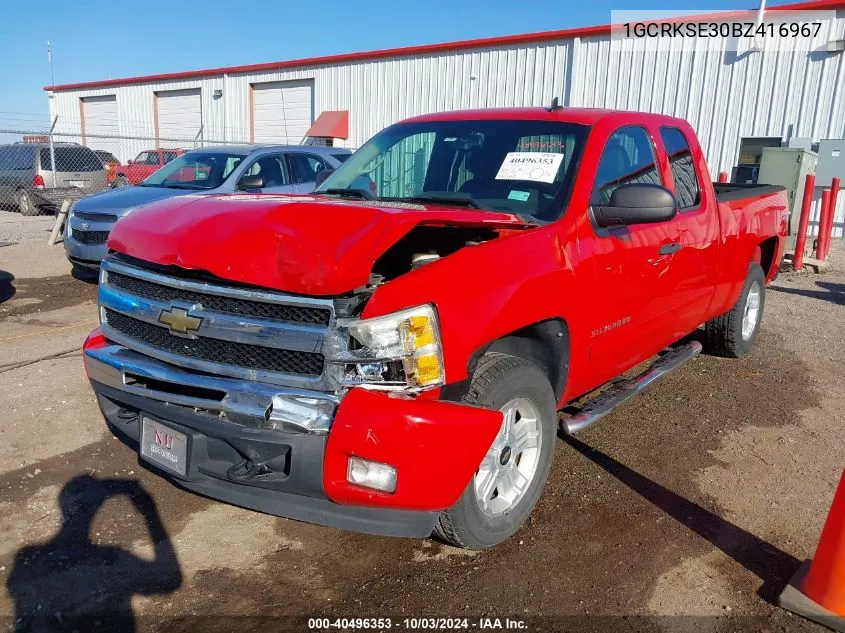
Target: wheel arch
<point>766,255</point>
<point>545,343</point>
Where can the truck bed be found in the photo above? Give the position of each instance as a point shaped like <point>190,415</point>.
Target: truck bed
<point>728,191</point>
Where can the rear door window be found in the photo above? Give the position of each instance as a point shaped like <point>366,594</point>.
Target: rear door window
<point>628,158</point>
<point>687,189</point>
<point>70,159</point>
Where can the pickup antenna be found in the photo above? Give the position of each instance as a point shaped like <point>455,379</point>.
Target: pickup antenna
<point>555,105</point>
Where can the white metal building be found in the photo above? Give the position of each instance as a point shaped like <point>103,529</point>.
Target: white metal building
<point>726,96</point>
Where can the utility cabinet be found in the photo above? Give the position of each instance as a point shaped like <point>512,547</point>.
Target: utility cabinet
<point>788,167</point>
<point>831,161</point>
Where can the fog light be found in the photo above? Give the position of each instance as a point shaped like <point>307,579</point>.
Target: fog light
<point>363,472</point>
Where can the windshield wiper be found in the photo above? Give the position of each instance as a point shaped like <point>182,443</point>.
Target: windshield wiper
<point>348,193</point>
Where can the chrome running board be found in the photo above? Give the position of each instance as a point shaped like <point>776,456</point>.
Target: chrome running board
<point>622,390</point>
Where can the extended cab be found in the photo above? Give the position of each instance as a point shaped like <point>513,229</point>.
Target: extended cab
<point>390,354</point>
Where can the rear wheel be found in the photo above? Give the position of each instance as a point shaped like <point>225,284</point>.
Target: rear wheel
<point>25,204</point>
<point>734,333</point>
<point>514,470</point>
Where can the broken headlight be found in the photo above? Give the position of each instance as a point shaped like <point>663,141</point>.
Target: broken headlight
<point>398,350</point>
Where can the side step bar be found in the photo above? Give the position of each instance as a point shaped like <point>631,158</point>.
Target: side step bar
<point>622,390</point>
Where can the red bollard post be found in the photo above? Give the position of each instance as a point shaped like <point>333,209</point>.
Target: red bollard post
<point>824,213</point>
<point>723,176</point>
<point>803,223</point>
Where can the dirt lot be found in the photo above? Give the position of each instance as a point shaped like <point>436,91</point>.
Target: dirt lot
<point>697,500</point>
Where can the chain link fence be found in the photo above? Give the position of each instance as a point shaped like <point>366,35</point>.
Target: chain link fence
<point>41,168</point>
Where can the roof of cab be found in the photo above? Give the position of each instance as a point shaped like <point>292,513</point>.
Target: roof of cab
<point>584,116</point>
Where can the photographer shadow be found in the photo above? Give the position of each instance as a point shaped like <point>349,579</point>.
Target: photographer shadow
<point>71,583</point>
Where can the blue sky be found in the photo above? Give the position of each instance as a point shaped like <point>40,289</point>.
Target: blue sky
<point>102,40</point>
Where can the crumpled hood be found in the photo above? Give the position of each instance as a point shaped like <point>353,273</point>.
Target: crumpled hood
<point>299,244</point>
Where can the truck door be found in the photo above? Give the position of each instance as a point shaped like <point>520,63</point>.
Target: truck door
<point>694,266</point>
<point>632,305</point>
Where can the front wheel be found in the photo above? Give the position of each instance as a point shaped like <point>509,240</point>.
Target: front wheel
<point>514,470</point>
<point>734,333</point>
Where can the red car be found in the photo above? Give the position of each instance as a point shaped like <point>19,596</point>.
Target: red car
<point>395,362</point>
<point>144,164</point>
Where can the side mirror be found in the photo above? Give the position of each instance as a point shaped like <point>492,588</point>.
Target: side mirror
<point>638,203</point>
<point>321,176</point>
<point>251,182</point>
<point>129,162</point>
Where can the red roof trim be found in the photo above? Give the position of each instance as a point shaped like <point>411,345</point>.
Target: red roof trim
<point>485,42</point>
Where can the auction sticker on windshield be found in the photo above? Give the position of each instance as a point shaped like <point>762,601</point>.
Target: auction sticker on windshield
<point>534,166</point>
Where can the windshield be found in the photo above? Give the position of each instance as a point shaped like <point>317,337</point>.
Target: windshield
<point>196,170</point>
<point>521,167</point>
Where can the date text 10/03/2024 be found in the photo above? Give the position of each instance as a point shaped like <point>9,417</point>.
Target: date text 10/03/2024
<point>440,624</point>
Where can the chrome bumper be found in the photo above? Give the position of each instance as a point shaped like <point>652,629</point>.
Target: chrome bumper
<point>245,402</point>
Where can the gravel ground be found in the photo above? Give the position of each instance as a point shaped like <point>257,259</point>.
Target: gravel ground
<point>687,509</point>
<point>18,229</point>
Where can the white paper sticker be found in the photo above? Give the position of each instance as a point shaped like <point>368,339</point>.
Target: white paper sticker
<point>535,166</point>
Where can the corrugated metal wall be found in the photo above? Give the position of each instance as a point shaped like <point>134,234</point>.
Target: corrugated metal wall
<point>724,95</point>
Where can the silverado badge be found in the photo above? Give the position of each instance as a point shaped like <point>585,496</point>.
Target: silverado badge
<point>179,321</point>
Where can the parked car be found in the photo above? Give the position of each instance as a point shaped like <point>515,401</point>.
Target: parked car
<point>396,363</point>
<point>28,182</point>
<point>270,168</point>
<point>145,164</point>
<point>110,162</point>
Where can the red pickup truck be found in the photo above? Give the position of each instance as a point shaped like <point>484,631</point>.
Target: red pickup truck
<point>145,164</point>
<point>391,354</point>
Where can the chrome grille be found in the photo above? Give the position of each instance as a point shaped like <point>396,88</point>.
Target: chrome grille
<point>217,328</point>
<point>215,350</point>
<point>230,305</point>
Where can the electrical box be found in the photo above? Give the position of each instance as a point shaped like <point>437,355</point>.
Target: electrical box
<point>788,167</point>
<point>831,161</point>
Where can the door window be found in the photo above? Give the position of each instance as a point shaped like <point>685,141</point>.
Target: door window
<point>169,156</point>
<point>272,168</point>
<point>628,158</point>
<point>306,167</point>
<point>687,189</point>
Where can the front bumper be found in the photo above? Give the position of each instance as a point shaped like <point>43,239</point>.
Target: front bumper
<point>81,253</point>
<point>435,446</point>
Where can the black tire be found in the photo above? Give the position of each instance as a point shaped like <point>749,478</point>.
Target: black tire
<point>498,379</point>
<point>723,334</point>
<point>25,204</point>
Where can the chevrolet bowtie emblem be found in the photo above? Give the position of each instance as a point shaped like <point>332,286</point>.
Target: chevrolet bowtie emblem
<point>179,321</point>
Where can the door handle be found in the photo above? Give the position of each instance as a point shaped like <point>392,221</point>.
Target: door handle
<point>668,249</point>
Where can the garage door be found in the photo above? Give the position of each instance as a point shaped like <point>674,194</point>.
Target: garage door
<point>178,116</point>
<point>282,111</point>
<point>99,118</point>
